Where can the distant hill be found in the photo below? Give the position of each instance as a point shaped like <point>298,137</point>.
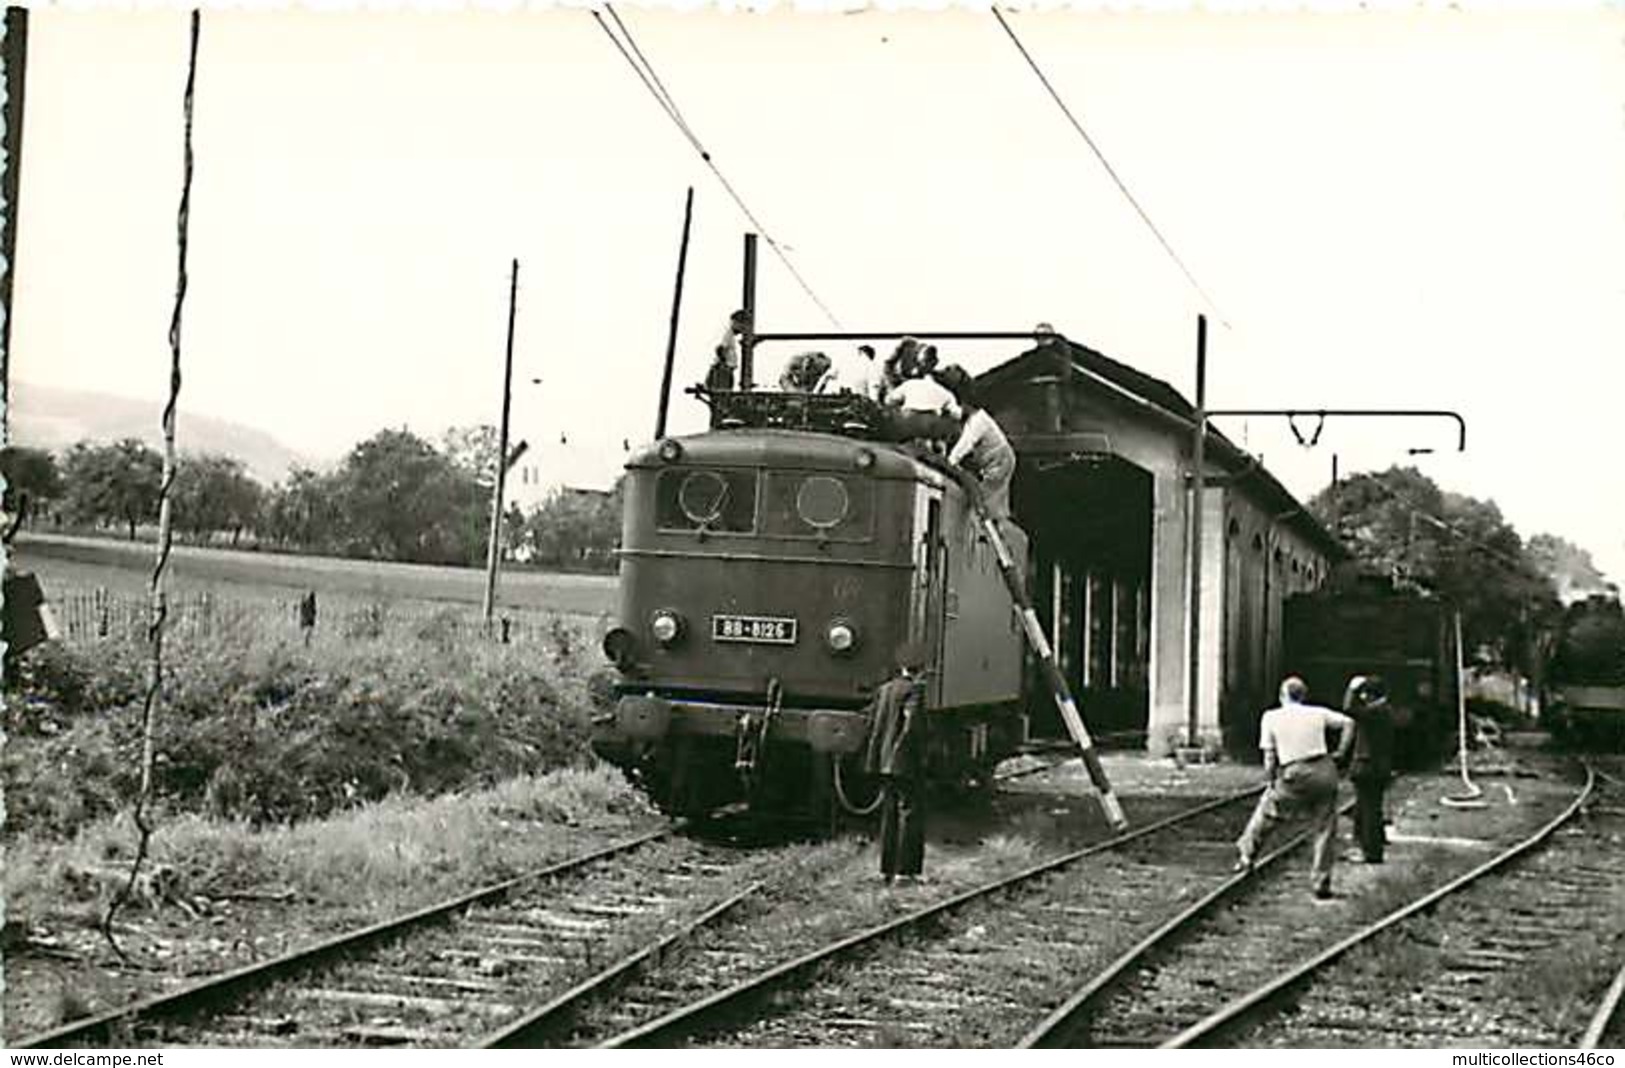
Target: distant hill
<point>47,417</point>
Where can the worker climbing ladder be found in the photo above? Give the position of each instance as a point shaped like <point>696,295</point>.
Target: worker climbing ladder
<point>1016,583</point>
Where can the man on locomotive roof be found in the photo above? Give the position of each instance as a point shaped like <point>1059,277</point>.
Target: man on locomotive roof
<point>982,448</point>
<point>896,756</point>
<point>856,374</point>
<point>1302,775</point>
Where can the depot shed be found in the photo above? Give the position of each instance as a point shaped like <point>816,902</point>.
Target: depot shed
<point>1103,488</point>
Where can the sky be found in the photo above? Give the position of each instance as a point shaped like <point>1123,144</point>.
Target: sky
<point>1412,207</point>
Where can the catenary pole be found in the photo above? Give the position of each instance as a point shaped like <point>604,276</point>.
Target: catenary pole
<point>676,311</point>
<point>493,550</point>
<point>1193,678</point>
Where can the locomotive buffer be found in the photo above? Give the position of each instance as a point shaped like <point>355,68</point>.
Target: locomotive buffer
<point>1059,690</point>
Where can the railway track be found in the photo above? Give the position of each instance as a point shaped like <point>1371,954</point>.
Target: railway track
<point>718,986</point>
<point>1226,974</point>
<point>465,971</point>
<point>1525,919</point>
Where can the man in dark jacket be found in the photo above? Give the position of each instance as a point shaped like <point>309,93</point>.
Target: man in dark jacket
<point>1366,702</point>
<point>896,755</point>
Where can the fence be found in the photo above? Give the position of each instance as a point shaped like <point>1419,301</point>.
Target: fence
<point>87,615</point>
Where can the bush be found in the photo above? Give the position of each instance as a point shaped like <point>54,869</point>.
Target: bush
<point>292,733</point>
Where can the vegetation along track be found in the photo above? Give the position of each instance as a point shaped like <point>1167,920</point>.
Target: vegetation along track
<point>1227,971</point>
<point>924,977</point>
<point>467,971</point>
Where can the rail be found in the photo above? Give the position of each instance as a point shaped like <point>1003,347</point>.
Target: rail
<point>237,983</point>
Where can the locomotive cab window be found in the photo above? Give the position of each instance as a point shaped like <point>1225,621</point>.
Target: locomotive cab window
<point>717,500</point>
<point>818,504</point>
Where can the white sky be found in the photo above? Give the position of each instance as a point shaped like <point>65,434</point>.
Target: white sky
<point>1415,208</point>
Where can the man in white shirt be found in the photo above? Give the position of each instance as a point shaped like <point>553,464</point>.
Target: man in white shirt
<point>856,374</point>
<point>923,394</point>
<point>1302,775</point>
<point>982,448</point>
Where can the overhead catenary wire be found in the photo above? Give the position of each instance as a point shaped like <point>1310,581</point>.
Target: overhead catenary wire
<point>639,62</point>
<point>1110,170</point>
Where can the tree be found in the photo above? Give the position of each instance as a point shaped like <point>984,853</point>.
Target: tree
<point>213,493</point>
<point>403,500</point>
<point>303,511</point>
<point>472,449</point>
<point>1568,566</point>
<point>1400,523</point>
<point>31,474</point>
<point>576,528</point>
<point>116,483</point>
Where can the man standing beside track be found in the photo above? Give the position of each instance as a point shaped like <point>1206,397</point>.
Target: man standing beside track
<point>896,755</point>
<point>1302,776</point>
<point>1367,703</point>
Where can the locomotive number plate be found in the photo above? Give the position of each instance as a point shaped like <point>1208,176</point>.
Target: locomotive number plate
<point>766,630</point>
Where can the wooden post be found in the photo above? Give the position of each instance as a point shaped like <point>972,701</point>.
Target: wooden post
<point>493,549</point>
<point>676,309</point>
<point>16,61</point>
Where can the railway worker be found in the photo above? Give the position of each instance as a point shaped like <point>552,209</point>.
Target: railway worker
<point>1302,775</point>
<point>720,377</point>
<point>806,372</point>
<point>725,366</point>
<point>1366,702</point>
<point>899,366</point>
<point>855,374</point>
<point>896,755</point>
<point>982,449</point>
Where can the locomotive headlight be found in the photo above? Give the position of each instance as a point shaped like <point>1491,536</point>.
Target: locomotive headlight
<point>841,637</point>
<point>671,451</point>
<point>666,626</point>
<point>864,460</point>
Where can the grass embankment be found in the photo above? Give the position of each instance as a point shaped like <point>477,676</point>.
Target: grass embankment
<point>362,771</point>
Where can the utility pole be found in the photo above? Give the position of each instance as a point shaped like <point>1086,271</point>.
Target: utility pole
<point>493,549</point>
<point>1193,683</point>
<point>747,304</point>
<point>676,309</point>
<point>16,61</point>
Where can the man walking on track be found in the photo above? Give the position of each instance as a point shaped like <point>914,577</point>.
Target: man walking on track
<point>1302,774</point>
<point>1366,702</point>
<point>896,754</point>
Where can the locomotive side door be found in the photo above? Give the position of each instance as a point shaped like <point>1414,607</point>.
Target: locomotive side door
<point>926,605</point>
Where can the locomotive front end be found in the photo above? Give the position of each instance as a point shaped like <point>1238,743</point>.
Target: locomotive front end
<point>765,585</point>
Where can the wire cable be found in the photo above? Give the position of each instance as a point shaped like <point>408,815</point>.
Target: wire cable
<point>646,73</point>
<point>1110,170</point>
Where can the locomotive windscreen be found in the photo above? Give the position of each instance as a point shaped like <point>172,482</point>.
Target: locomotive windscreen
<point>816,504</point>
<point>718,500</point>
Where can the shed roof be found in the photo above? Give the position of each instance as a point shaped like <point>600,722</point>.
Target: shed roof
<point>1160,397</point>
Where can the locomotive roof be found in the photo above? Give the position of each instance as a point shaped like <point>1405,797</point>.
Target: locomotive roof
<point>780,447</point>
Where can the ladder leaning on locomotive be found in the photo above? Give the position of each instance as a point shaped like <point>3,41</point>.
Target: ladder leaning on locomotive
<point>771,569</point>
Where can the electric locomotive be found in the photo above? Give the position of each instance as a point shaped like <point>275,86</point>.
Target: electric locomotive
<point>770,570</point>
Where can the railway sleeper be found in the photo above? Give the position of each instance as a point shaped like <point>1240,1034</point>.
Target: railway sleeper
<point>429,1006</point>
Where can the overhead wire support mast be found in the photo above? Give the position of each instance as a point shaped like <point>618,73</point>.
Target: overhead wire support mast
<point>646,73</point>
<point>1110,170</point>
<point>1198,481</point>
